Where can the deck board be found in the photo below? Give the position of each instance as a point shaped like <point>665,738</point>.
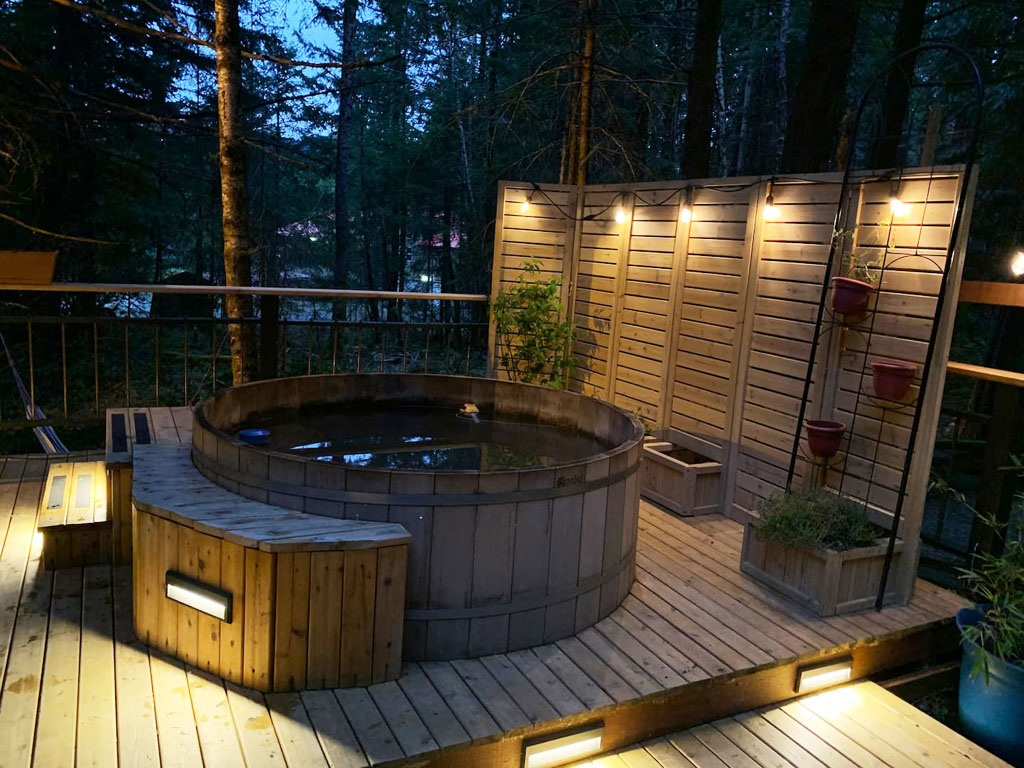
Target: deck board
<point>692,615</point>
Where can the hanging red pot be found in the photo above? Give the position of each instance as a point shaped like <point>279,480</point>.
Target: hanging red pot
<point>892,378</point>
<point>824,437</point>
<point>849,296</point>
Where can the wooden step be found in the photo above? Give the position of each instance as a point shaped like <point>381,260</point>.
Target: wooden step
<point>73,517</point>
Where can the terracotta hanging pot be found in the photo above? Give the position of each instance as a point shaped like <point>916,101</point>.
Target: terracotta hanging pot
<point>892,378</point>
<point>849,296</point>
<point>824,437</point>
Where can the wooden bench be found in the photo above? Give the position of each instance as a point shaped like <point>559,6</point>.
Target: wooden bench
<point>310,601</point>
<point>73,515</point>
<point>126,428</point>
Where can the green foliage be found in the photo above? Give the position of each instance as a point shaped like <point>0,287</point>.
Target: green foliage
<point>815,518</point>
<point>998,582</point>
<point>533,341</point>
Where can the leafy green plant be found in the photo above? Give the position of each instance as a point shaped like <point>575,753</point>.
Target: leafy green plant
<point>997,582</point>
<point>533,341</point>
<point>855,264</point>
<point>815,518</point>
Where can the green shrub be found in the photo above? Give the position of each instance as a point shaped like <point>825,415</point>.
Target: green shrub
<point>815,518</point>
<point>533,342</point>
<point>998,583</point>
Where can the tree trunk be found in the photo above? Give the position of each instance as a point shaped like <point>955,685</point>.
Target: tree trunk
<point>909,27</point>
<point>579,175</point>
<point>342,233</point>
<point>700,95</point>
<point>817,105</point>
<point>233,192</point>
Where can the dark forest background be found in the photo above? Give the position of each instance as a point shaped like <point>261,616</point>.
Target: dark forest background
<point>383,171</point>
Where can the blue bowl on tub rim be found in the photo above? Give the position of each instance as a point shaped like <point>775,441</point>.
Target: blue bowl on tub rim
<point>254,436</point>
<point>991,706</point>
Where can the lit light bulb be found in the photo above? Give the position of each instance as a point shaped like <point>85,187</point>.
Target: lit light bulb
<point>899,208</point>
<point>771,212</point>
<point>1017,264</point>
<point>685,213</point>
<point>424,278</point>
<point>620,216</point>
<point>525,207</point>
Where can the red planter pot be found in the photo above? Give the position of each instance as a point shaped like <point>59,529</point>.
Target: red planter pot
<point>849,296</point>
<point>824,437</point>
<point>892,379</point>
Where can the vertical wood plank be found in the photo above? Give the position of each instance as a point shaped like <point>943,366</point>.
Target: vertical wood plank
<point>356,661</point>
<point>326,578</point>
<point>389,610</point>
<point>258,627</point>
<point>232,580</point>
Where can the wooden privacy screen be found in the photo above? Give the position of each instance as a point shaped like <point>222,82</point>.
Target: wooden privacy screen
<point>704,327</point>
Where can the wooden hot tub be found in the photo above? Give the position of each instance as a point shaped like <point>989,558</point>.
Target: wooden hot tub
<point>499,560</point>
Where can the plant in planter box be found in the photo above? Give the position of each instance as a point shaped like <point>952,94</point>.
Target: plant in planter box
<point>850,291</point>
<point>818,548</point>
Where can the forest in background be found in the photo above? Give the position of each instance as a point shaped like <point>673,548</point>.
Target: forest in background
<point>376,130</point>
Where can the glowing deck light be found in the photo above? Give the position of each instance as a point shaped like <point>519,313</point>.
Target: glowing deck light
<point>1017,264</point>
<point>204,598</point>
<point>815,676</point>
<point>620,216</point>
<point>898,207</point>
<point>558,749</point>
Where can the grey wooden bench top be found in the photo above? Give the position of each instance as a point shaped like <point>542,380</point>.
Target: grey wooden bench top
<point>167,485</point>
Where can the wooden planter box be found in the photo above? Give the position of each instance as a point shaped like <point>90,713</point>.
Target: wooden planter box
<point>680,479</point>
<point>823,581</point>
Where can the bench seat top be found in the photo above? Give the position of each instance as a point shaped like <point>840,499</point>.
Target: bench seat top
<point>167,485</point>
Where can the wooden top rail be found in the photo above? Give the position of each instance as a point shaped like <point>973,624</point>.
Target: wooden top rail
<point>997,294</point>
<point>167,485</point>
<point>245,290</point>
<point>997,375</point>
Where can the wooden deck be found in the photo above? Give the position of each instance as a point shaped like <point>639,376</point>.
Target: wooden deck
<point>694,641</point>
<point>855,726</point>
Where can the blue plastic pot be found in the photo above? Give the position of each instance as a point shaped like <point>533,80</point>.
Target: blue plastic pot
<point>254,436</point>
<point>991,706</point>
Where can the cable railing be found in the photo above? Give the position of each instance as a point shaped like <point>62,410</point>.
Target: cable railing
<point>151,345</point>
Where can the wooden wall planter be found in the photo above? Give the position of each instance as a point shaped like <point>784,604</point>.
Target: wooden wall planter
<point>825,582</point>
<point>314,603</point>
<point>680,479</point>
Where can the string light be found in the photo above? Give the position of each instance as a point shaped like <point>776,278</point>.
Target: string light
<point>525,207</point>
<point>620,216</point>
<point>1017,264</point>
<point>771,212</point>
<point>897,206</point>
<point>686,209</point>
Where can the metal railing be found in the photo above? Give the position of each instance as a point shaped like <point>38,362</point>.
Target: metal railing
<point>127,351</point>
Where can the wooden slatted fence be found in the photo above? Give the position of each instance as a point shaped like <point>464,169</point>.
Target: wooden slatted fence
<point>703,326</point>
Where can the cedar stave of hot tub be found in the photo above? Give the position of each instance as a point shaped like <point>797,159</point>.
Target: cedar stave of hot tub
<point>315,602</point>
<point>499,560</point>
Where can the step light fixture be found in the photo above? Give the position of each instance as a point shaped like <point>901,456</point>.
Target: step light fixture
<point>204,598</point>
<point>563,746</point>
<point>812,677</point>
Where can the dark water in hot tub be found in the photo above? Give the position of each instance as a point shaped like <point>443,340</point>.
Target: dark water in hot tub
<point>423,437</point>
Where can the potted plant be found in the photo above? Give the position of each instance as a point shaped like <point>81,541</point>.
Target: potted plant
<point>892,378</point>
<point>850,291</point>
<point>992,672</point>
<point>819,549</point>
<point>824,437</point>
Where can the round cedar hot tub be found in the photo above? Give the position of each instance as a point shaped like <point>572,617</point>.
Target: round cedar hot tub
<point>523,518</point>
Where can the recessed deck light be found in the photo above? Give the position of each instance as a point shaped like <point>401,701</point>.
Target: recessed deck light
<point>204,598</point>
<point>559,748</point>
<point>814,676</point>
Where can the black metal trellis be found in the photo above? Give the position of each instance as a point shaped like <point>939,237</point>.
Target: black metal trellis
<point>834,246</point>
